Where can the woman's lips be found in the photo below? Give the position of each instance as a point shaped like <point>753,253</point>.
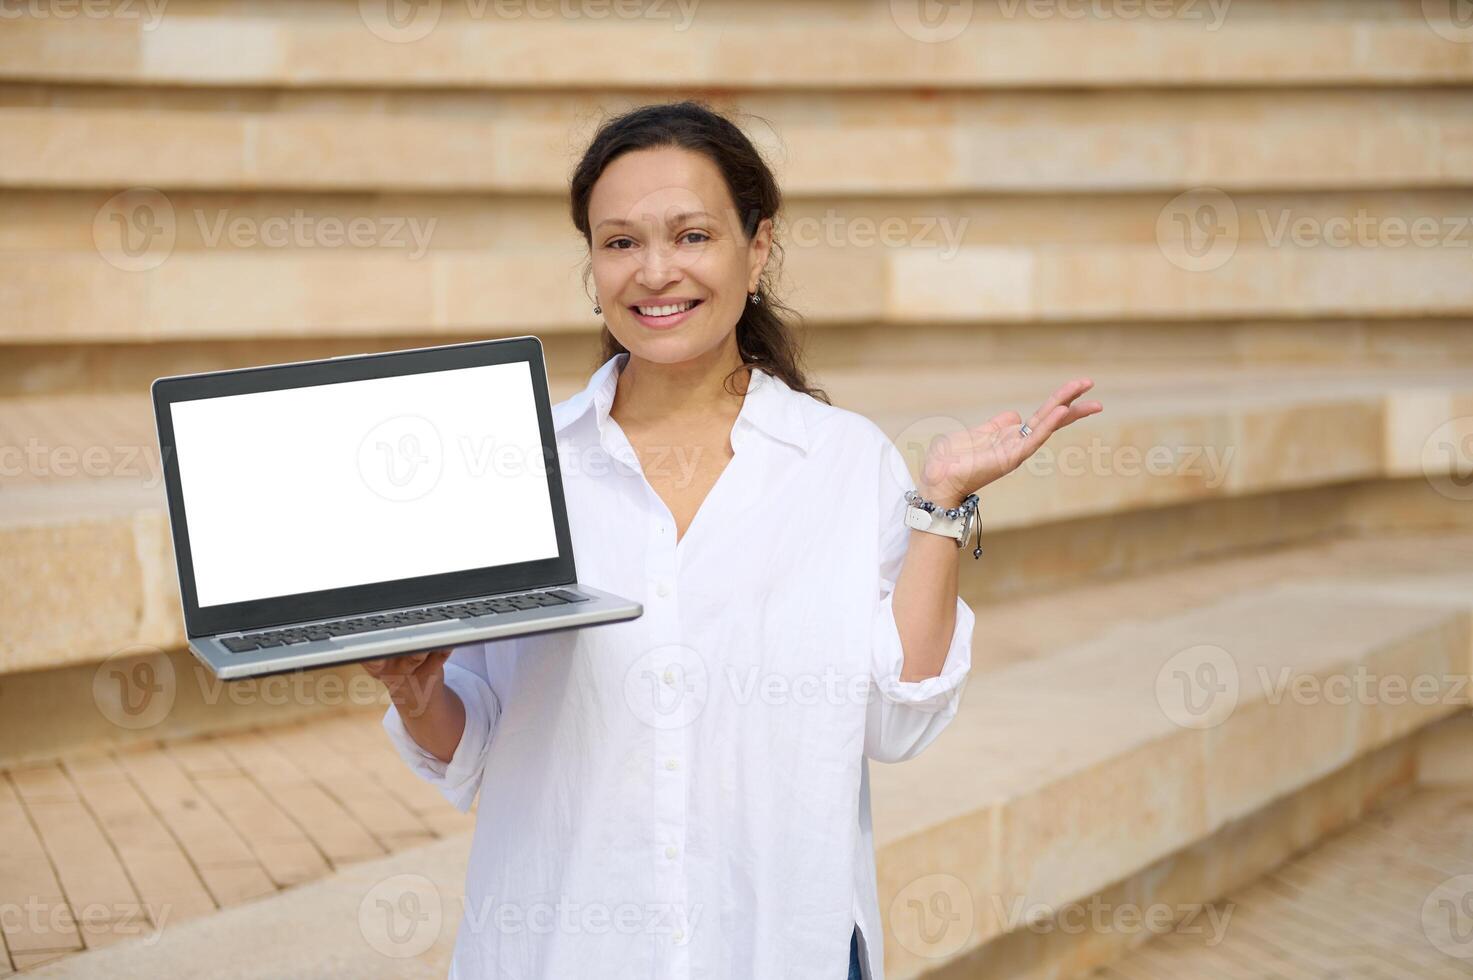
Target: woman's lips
<point>665,322</point>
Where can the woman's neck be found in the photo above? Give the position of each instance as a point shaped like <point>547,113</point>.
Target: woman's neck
<point>691,393</point>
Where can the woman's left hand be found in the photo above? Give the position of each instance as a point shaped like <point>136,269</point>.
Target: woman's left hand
<point>960,463</point>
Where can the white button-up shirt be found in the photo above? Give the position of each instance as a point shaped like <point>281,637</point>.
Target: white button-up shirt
<point>686,794</point>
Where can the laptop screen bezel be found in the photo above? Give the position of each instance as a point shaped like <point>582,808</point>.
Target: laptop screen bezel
<point>359,599</point>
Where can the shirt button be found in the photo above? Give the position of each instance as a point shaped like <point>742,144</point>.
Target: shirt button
<point>669,677</point>
<point>662,589</point>
<point>670,764</point>
<point>679,935</point>
<point>670,851</point>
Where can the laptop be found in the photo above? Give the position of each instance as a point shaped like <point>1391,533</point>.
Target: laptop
<point>369,505</point>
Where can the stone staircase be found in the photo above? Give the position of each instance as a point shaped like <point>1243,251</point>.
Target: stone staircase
<point>1276,494</point>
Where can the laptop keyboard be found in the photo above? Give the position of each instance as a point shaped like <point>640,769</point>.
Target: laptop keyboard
<point>408,617</point>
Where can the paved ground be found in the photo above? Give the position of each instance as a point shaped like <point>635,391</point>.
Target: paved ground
<point>1389,899</point>
<point>108,847</point>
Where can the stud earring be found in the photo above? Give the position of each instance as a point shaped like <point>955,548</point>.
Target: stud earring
<point>756,298</point>
<point>597,310</point>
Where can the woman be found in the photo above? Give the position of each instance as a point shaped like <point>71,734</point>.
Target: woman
<point>686,794</point>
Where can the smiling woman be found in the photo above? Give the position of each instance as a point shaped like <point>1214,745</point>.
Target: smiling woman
<point>690,789</point>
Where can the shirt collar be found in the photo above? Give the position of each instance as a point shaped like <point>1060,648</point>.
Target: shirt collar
<point>770,406</point>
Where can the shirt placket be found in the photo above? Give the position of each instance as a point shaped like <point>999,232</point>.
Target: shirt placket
<point>682,686</point>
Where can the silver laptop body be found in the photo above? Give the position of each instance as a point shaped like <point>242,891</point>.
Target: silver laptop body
<point>356,507</point>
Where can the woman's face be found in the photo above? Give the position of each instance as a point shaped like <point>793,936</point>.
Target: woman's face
<point>665,233</point>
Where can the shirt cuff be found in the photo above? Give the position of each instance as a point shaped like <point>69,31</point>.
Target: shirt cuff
<point>932,693</point>
<point>460,778</point>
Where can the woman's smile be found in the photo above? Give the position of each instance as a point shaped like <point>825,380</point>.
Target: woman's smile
<point>666,315</point>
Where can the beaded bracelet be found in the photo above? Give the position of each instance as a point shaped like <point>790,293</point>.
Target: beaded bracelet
<point>968,507</point>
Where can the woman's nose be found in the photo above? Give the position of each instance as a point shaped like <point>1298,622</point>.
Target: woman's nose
<point>658,267</point>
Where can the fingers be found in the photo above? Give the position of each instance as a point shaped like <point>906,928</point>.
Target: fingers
<point>431,662</point>
<point>385,668</point>
<point>1067,393</point>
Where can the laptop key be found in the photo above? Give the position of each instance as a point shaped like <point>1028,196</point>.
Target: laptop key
<point>547,599</point>
<point>238,644</point>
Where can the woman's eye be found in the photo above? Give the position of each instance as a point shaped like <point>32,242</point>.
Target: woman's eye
<point>617,243</point>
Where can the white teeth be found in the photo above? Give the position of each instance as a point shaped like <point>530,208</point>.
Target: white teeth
<point>665,310</point>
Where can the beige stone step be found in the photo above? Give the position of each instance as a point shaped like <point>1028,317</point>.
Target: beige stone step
<point>411,225</point>
<point>1100,348</point>
<point>742,45</point>
<point>1132,736</point>
<point>820,143</point>
<point>1377,900</point>
<point>1060,775</point>
<point>80,298</point>
<point>83,518</point>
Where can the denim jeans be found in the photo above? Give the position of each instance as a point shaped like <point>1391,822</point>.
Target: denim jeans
<point>854,973</point>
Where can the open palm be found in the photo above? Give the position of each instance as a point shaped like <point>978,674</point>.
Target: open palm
<point>960,463</point>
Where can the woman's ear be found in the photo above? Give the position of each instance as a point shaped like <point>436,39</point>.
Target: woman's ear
<point>758,250</point>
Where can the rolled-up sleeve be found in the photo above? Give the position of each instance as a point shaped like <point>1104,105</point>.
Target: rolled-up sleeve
<point>459,779</point>
<point>906,716</point>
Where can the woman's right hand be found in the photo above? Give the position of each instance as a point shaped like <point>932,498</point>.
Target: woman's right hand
<point>413,679</point>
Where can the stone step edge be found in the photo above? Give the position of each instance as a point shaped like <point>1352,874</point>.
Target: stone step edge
<point>1445,649</point>
<point>1185,889</point>
<point>286,53</point>
<point>330,926</point>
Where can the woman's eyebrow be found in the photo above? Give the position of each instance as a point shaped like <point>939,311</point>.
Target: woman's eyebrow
<point>673,219</point>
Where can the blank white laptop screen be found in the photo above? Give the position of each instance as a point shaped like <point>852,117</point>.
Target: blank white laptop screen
<point>359,482</point>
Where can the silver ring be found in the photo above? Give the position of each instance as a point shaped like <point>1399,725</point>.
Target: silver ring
<point>1024,429</point>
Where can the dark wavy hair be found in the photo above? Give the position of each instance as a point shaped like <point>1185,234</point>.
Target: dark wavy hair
<point>763,334</point>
